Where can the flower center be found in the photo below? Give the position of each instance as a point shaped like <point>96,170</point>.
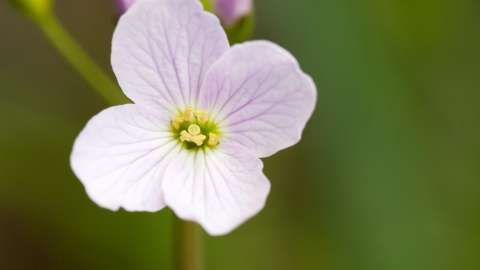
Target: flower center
<point>193,127</point>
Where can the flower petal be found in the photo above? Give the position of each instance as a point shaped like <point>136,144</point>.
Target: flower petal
<point>219,188</point>
<point>121,156</point>
<point>259,97</point>
<point>162,49</point>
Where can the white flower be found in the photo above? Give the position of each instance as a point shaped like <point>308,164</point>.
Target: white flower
<point>203,115</point>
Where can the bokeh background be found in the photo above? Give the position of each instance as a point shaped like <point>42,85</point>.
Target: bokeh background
<point>387,175</point>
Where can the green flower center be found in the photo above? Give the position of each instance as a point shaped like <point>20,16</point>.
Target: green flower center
<point>194,129</point>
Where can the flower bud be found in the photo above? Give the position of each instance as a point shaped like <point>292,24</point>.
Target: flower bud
<point>231,11</point>
<point>236,16</point>
<point>35,9</point>
<point>122,5</point>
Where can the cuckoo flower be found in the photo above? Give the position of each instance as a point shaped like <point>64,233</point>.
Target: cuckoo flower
<point>204,114</point>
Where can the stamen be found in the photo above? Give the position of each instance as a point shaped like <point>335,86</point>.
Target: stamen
<point>198,139</point>
<point>187,113</point>
<point>185,136</point>
<point>201,115</point>
<point>194,129</point>
<point>212,139</point>
<point>176,122</point>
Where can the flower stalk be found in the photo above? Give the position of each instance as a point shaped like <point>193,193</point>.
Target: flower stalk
<point>78,58</point>
<point>187,245</point>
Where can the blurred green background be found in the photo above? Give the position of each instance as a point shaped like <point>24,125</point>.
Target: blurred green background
<point>387,175</point>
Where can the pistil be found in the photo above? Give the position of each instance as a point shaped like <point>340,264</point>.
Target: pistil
<point>197,139</point>
<point>194,129</point>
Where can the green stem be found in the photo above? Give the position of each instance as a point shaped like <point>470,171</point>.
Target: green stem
<point>187,245</point>
<point>186,236</point>
<point>79,59</point>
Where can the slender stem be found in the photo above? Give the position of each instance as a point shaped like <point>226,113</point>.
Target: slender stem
<point>79,59</point>
<point>186,236</point>
<point>187,245</point>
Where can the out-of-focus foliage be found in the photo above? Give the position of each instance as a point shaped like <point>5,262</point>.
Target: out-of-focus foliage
<point>242,30</point>
<point>207,5</point>
<point>387,174</point>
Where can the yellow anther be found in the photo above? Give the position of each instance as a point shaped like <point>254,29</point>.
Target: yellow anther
<point>187,113</point>
<point>212,139</point>
<point>185,136</point>
<point>201,115</point>
<point>194,129</point>
<point>176,122</point>
<point>198,139</point>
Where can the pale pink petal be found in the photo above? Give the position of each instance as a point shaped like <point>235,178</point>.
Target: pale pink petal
<point>121,156</point>
<point>259,97</point>
<point>162,49</point>
<point>219,188</point>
